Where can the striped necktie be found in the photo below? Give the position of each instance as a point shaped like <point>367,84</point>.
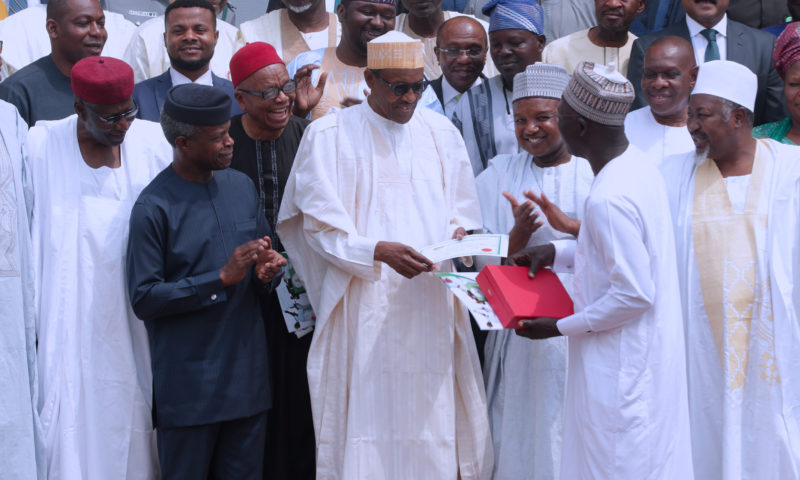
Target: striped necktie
<point>712,49</point>
<point>15,6</point>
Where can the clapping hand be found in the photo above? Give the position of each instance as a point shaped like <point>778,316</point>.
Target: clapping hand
<point>555,217</point>
<point>525,223</point>
<point>269,262</point>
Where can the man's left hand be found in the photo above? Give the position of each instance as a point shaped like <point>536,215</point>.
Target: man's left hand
<point>459,234</point>
<point>538,328</point>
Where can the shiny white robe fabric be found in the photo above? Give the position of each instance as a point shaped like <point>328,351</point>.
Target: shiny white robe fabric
<point>95,382</point>
<point>657,141</point>
<point>268,28</point>
<point>393,373</point>
<point>753,432</point>
<point>626,413</point>
<point>147,54</point>
<point>25,38</point>
<point>21,447</point>
<point>525,379</point>
<point>576,47</point>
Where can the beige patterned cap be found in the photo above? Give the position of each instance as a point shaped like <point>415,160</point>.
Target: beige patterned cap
<point>394,50</point>
<point>541,80</point>
<point>600,93</point>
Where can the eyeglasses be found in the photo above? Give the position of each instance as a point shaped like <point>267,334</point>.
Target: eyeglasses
<point>401,88</point>
<point>270,93</point>
<point>110,120</point>
<point>454,53</point>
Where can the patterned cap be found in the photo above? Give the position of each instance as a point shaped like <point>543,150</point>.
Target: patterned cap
<point>541,80</point>
<point>599,93</point>
<point>522,14</point>
<point>394,49</point>
<point>787,48</point>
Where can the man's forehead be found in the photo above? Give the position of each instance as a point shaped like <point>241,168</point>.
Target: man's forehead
<point>402,74</point>
<point>270,75</point>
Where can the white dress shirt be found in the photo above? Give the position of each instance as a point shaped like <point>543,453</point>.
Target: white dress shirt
<point>699,42</point>
<point>179,79</point>
<point>451,96</point>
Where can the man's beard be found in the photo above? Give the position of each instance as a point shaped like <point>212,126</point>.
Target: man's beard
<point>189,65</point>
<point>700,156</point>
<point>300,8</point>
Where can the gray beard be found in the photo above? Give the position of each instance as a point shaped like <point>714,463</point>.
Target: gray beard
<point>301,8</point>
<point>701,156</point>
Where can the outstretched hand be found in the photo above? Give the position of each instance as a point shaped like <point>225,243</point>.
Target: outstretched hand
<point>526,222</point>
<point>308,96</point>
<point>403,259</point>
<point>555,217</point>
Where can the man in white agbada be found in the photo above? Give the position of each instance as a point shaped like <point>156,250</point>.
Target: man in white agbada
<point>669,73</point>
<point>302,26</point>
<point>21,454</point>
<point>85,173</point>
<point>393,372</point>
<point>147,51</point>
<point>736,206</point>
<point>626,412</point>
<point>525,381</point>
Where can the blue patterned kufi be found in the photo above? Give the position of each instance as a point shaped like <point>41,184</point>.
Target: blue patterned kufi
<point>521,14</point>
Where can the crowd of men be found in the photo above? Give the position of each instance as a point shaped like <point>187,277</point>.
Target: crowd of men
<point>163,171</point>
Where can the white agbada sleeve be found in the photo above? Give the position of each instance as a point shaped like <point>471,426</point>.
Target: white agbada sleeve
<point>632,289</point>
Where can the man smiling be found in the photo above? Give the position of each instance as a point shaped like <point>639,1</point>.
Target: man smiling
<point>41,90</point>
<point>191,38</point>
<point>715,37</point>
<point>659,130</point>
<point>395,384</point>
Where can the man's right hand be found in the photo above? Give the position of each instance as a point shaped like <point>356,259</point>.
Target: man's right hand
<point>403,259</point>
<point>534,257</point>
<point>243,256</point>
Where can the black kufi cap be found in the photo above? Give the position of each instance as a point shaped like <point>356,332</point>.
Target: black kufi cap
<point>198,105</point>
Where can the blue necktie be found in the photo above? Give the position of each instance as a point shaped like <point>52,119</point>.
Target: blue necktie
<point>15,6</point>
<point>712,49</point>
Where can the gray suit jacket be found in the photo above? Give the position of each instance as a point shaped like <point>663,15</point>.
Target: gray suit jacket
<point>748,46</point>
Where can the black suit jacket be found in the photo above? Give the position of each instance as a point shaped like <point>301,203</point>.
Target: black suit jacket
<point>748,46</point>
<point>149,95</point>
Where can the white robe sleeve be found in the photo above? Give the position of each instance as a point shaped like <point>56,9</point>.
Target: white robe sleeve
<point>617,237</point>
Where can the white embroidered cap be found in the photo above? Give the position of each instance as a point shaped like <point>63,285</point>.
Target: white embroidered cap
<point>394,50</point>
<point>729,80</point>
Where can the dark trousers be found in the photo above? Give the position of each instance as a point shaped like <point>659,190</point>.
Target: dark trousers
<point>232,450</point>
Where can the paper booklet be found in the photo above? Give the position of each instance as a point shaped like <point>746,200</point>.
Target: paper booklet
<point>296,308</point>
<point>494,245</point>
<point>465,288</point>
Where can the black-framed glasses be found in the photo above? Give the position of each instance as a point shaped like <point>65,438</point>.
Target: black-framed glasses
<point>472,53</point>
<point>270,93</point>
<point>110,120</point>
<point>401,88</point>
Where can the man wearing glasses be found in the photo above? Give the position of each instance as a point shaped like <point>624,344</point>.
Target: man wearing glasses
<point>84,174</point>
<point>393,372</point>
<point>461,50</point>
<point>265,141</point>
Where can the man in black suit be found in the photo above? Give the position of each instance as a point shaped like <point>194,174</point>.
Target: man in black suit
<point>713,37</point>
<point>190,36</point>
<point>461,47</point>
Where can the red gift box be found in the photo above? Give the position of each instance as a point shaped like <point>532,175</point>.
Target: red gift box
<point>514,297</point>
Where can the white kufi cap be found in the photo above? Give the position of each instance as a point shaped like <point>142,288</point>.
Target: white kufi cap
<point>729,80</point>
<point>394,49</point>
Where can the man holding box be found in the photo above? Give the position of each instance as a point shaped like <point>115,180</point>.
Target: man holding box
<point>626,412</point>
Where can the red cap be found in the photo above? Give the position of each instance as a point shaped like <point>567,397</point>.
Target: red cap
<point>250,58</point>
<point>102,80</point>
